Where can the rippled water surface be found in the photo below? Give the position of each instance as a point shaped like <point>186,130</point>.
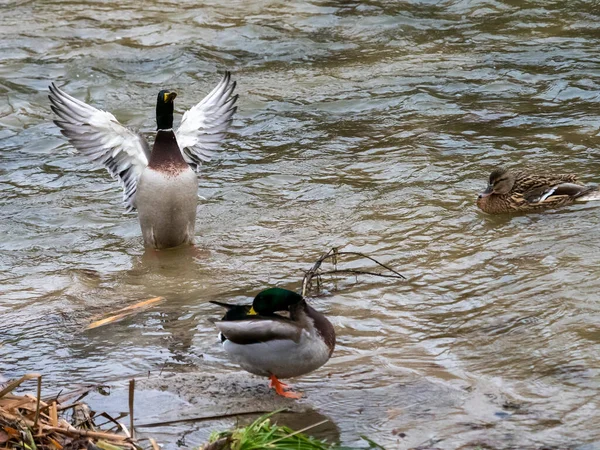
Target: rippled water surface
<point>370,125</point>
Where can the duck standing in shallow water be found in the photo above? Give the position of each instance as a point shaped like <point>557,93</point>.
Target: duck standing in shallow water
<point>521,191</point>
<point>161,184</point>
<point>271,345</point>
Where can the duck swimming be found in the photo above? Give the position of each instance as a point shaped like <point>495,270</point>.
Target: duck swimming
<point>162,183</point>
<point>513,191</point>
<point>271,345</point>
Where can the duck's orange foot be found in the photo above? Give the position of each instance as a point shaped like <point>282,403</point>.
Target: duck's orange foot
<point>279,388</point>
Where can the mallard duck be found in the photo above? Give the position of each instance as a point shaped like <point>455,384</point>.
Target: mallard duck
<point>274,346</point>
<point>510,191</point>
<point>161,184</point>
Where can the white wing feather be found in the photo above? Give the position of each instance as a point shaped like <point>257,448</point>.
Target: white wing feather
<point>98,135</point>
<point>204,126</point>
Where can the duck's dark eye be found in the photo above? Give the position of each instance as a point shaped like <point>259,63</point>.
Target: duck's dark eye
<point>498,181</point>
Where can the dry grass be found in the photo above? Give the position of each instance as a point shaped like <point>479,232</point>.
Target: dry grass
<point>29,422</point>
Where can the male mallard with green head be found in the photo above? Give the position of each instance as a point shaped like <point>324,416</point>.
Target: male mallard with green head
<point>513,191</point>
<point>268,344</point>
<point>161,184</point>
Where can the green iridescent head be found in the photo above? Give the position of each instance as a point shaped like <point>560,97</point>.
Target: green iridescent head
<point>274,299</point>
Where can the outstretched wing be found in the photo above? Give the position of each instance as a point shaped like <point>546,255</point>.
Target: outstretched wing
<point>204,126</point>
<point>98,135</point>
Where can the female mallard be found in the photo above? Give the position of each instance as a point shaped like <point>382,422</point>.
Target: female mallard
<point>274,346</point>
<point>161,184</point>
<point>509,191</point>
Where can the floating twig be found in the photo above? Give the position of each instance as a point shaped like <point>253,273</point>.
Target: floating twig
<point>124,312</point>
<point>131,395</point>
<point>334,254</point>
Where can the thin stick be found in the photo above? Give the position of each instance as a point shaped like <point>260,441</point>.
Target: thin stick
<point>37,405</point>
<point>87,433</point>
<point>53,414</point>
<point>63,408</point>
<point>131,395</point>
<point>154,444</point>
<point>358,272</point>
<point>111,419</point>
<point>310,427</point>
<point>375,261</point>
<point>125,430</point>
<point>11,386</point>
<point>200,419</point>
<point>308,276</point>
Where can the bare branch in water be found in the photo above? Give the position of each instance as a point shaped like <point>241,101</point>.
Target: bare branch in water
<point>334,255</point>
<point>359,272</point>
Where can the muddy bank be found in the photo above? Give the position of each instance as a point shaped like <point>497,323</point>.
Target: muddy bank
<point>183,409</point>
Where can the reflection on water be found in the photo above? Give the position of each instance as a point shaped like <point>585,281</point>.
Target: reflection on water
<point>371,125</point>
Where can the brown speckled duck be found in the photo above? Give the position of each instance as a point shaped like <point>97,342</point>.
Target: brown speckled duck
<point>521,191</point>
